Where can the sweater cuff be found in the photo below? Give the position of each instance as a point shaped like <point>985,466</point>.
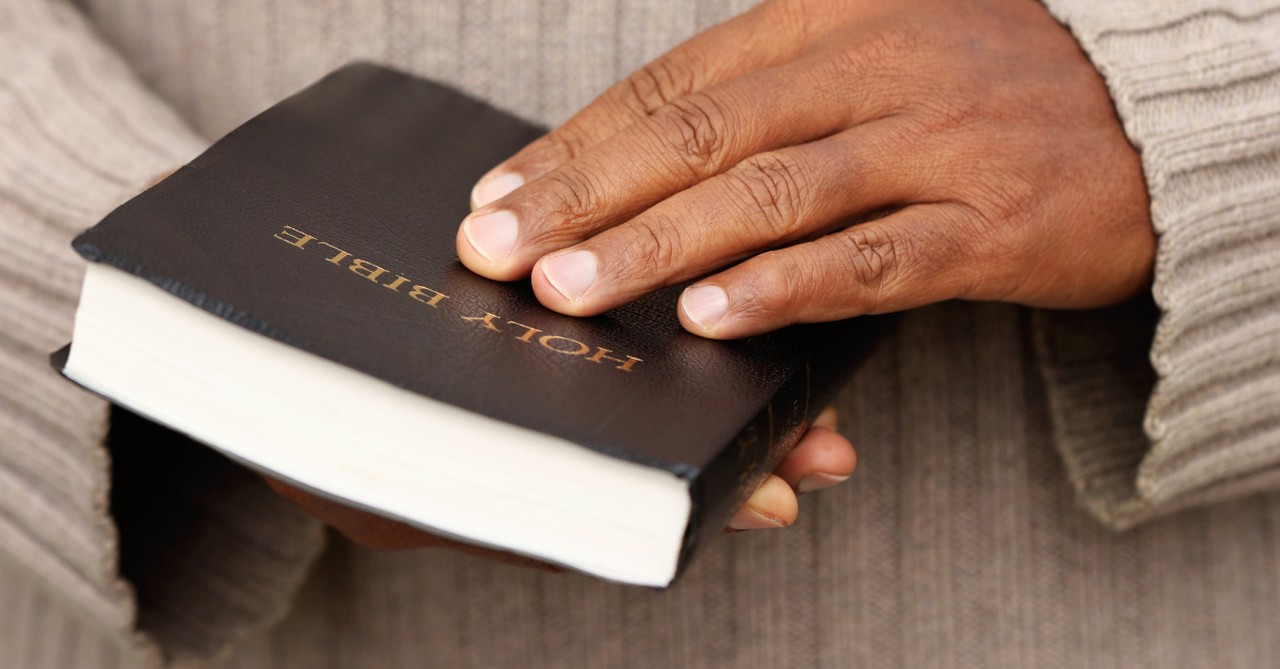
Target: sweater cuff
<point>1197,86</point>
<point>78,135</point>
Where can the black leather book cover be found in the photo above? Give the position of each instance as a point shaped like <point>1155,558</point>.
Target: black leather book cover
<point>328,223</point>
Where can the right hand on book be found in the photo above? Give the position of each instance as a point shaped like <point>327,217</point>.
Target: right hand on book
<point>822,458</point>
<point>815,160</point>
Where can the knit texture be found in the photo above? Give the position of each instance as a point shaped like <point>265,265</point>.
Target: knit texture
<point>955,545</point>
<point>78,135</point>
<point>1196,85</point>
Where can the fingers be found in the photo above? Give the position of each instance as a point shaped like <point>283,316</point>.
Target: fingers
<point>763,202</point>
<point>686,141</point>
<point>822,459</point>
<point>772,505</point>
<point>922,254</point>
<point>755,40</point>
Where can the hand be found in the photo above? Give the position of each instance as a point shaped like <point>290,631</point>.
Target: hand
<point>821,459</point>
<point>822,159</point>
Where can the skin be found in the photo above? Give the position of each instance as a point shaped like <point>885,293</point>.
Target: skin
<point>816,160</point>
<point>813,160</point>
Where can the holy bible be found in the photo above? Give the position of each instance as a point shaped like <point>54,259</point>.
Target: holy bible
<point>292,298</point>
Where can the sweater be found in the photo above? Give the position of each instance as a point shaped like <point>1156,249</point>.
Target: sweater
<point>1153,408</point>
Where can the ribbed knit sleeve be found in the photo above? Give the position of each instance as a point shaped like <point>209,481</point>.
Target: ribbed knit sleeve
<point>78,135</point>
<point>1197,86</point>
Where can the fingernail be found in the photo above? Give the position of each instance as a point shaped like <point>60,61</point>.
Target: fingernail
<point>492,235</point>
<point>704,305</point>
<point>748,518</point>
<point>571,273</point>
<point>818,481</point>
<point>493,187</point>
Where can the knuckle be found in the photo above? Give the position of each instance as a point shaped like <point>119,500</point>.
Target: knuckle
<point>768,289</point>
<point>904,38</point>
<point>651,87</point>
<point>881,48</point>
<point>994,229</point>
<point>566,198</point>
<point>795,17</point>
<point>871,255</point>
<point>564,143</point>
<point>695,127</point>
<point>952,112</point>
<point>773,188</point>
<point>782,288</point>
<point>1002,199</point>
<point>652,248</point>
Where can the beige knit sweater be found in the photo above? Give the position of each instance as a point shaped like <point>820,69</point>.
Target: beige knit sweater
<point>83,125</point>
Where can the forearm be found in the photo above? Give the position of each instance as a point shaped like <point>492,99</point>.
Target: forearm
<point>1197,86</point>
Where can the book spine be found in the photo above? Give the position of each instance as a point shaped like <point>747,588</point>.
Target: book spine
<point>743,464</point>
